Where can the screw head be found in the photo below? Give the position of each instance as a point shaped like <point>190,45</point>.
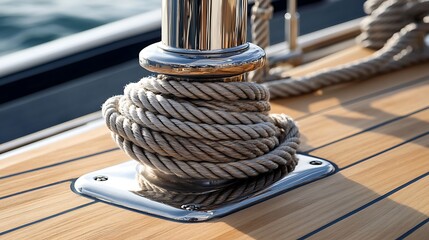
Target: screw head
<point>101,178</point>
<point>190,207</point>
<point>316,162</point>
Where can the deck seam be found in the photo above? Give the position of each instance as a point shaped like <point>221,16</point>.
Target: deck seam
<point>60,163</point>
<point>368,204</point>
<point>413,229</point>
<point>385,150</point>
<point>369,129</point>
<point>365,97</point>
<point>47,218</point>
<point>37,188</point>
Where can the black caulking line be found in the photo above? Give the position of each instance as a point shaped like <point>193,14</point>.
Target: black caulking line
<point>59,163</point>
<point>375,94</point>
<point>36,188</point>
<point>351,213</point>
<point>385,150</point>
<point>369,129</point>
<point>47,218</point>
<point>413,229</point>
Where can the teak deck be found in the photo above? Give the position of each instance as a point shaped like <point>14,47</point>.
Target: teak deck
<point>376,131</point>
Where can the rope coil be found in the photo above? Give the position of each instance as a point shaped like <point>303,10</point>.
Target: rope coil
<point>401,50</point>
<point>212,199</point>
<point>193,130</point>
<point>396,27</point>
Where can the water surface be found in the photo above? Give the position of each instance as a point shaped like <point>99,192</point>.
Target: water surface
<point>26,23</point>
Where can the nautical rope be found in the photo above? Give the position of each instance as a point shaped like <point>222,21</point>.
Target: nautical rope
<point>209,200</point>
<point>395,26</point>
<point>201,130</point>
<point>387,17</point>
<point>262,12</point>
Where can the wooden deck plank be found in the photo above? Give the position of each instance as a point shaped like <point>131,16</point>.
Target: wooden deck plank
<point>350,150</point>
<point>361,115</point>
<point>58,173</point>
<point>112,223</point>
<point>293,214</point>
<point>31,206</point>
<point>302,106</point>
<point>387,219</point>
<point>421,232</point>
<point>299,212</point>
<point>58,151</point>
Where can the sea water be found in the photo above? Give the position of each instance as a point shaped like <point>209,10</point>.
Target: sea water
<point>26,23</point>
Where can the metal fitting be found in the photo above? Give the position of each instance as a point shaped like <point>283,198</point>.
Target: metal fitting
<point>203,39</point>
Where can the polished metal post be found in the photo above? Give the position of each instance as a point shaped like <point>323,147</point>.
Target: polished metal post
<point>291,54</point>
<point>292,25</point>
<point>203,39</point>
<point>204,24</point>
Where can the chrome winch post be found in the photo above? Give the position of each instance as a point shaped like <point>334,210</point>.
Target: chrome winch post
<point>203,40</point>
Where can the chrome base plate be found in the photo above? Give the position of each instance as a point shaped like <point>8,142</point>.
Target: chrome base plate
<point>118,185</point>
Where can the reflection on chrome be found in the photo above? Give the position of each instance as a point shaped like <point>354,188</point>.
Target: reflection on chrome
<point>205,24</point>
<point>203,39</point>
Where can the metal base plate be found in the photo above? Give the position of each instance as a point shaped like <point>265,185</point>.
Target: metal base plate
<point>118,185</point>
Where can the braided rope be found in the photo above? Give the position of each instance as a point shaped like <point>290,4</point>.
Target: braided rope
<point>401,39</point>
<point>210,200</point>
<point>262,12</point>
<point>387,17</point>
<point>193,130</point>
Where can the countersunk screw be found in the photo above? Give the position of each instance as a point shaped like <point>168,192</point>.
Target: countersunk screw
<point>190,207</point>
<point>100,178</point>
<point>316,162</point>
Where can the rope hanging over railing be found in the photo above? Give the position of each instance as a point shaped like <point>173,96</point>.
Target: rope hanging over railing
<point>396,27</point>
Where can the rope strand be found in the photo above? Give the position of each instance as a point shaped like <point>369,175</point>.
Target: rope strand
<point>395,27</point>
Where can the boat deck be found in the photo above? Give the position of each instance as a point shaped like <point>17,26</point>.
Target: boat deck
<point>375,131</point>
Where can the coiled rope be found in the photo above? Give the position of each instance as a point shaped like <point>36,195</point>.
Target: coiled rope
<point>212,199</point>
<point>211,130</point>
<point>396,27</point>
